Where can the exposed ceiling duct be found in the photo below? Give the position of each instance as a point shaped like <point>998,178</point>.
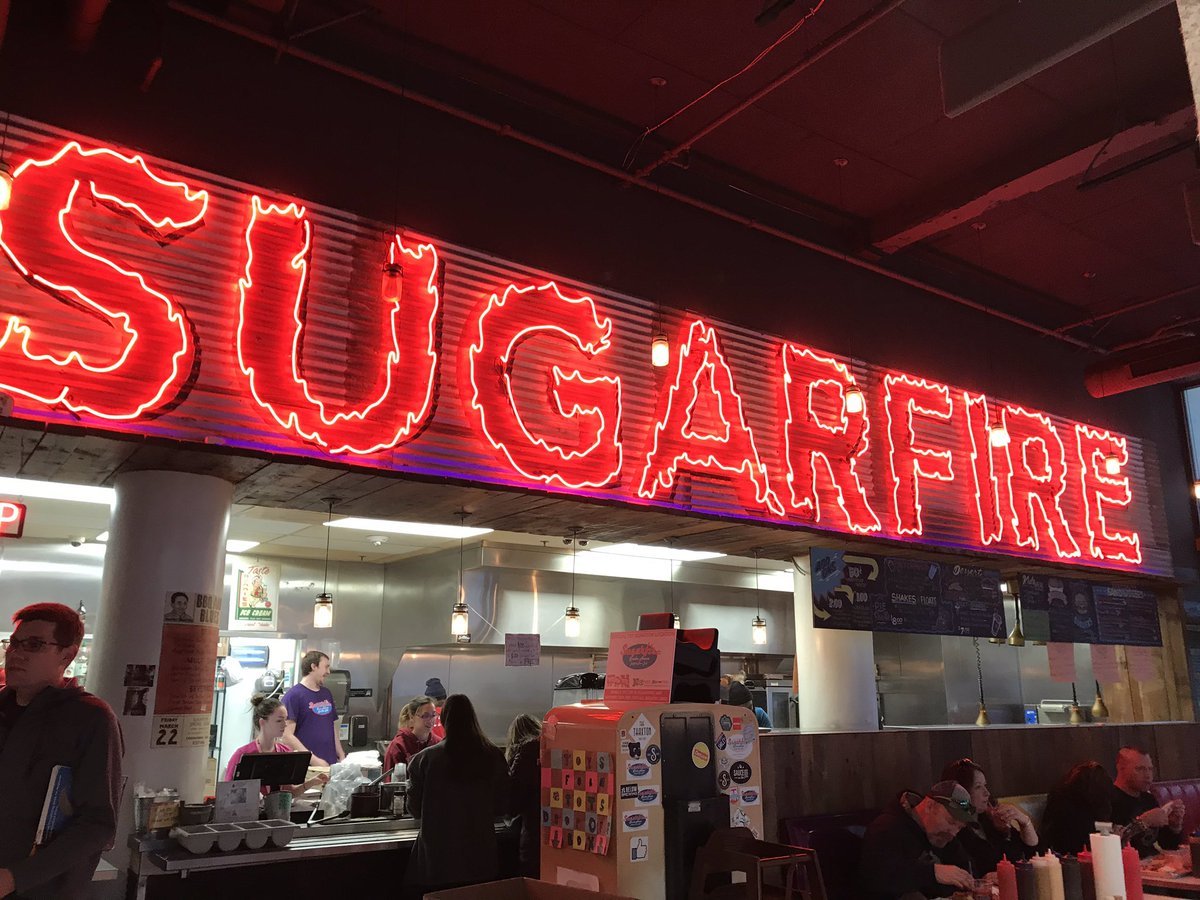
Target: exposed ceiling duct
<point>86,16</point>
<point>1171,359</point>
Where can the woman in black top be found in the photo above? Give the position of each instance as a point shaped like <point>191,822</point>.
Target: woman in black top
<point>1001,830</point>
<point>525,788</point>
<point>1074,807</point>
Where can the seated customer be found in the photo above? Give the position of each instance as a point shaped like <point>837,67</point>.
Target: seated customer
<point>414,732</point>
<point>1001,831</point>
<point>909,850</point>
<point>1080,800</point>
<point>270,719</point>
<point>739,695</point>
<point>1133,806</point>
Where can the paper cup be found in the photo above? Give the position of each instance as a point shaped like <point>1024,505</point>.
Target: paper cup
<point>278,805</point>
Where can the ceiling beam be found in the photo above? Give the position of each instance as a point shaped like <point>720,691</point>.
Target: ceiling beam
<point>1024,39</point>
<point>1043,162</point>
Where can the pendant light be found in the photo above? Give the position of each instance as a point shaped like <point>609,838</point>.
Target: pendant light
<point>6,172</point>
<point>983,718</point>
<point>758,628</point>
<point>393,280</point>
<point>571,618</point>
<point>1076,713</point>
<point>1112,464</point>
<point>1016,637</point>
<point>459,620</point>
<point>323,607</point>
<point>1099,709</point>
<point>670,542</point>
<point>854,400</point>
<point>1005,588</point>
<point>1196,489</point>
<point>660,345</point>
<point>998,435</point>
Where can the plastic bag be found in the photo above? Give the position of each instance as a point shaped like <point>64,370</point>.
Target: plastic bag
<point>360,767</point>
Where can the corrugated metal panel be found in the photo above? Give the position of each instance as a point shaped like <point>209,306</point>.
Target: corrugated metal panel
<point>200,272</point>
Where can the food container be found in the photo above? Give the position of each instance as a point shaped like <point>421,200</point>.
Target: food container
<point>229,837</point>
<point>195,814</point>
<point>281,832</point>
<point>195,838</point>
<point>364,802</point>
<point>255,834</point>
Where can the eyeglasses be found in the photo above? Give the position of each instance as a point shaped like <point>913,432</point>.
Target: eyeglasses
<point>429,716</point>
<point>31,645</point>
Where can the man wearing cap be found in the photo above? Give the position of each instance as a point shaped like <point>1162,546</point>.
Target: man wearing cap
<point>909,851</point>
<point>436,691</point>
<point>739,695</point>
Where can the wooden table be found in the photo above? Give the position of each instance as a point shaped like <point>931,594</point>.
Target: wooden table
<point>1185,886</point>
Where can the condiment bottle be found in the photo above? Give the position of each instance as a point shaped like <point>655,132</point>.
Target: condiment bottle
<point>1133,873</point>
<point>1006,875</point>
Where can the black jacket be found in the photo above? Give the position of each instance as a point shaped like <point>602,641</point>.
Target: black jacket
<point>62,726</point>
<point>985,846</point>
<point>1126,808</point>
<point>897,857</point>
<point>525,802</point>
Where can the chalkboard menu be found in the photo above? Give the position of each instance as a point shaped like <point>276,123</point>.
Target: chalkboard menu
<point>1126,615</point>
<point>863,592</point>
<point>860,592</point>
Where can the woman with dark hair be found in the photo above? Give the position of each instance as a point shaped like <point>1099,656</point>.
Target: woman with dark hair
<point>1000,831</point>
<point>523,753</point>
<point>457,788</point>
<point>270,720</point>
<point>1074,807</point>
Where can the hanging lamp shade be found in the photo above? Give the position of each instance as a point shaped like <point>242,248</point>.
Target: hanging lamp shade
<point>660,351</point>
<point>1112,465</point>
<point>571,621</point>
<point>6,185</point>
<point>998,436</point>
<point>758,631</point>
<point>323,611</point>
<point>393,282</point>
<point>854,400</point>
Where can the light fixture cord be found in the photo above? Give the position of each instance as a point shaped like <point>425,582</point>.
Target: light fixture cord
<point>574,542</point>
<point>978,668</point>
<point>1074,696</point>
<point>4,139</point>
<point>461,542</point>
<point>328,535</point>
<point>757,587</point>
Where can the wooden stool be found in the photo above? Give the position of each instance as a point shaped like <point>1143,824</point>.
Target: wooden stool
<point>731,850</point>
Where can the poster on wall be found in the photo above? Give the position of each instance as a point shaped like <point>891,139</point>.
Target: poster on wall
<point>974,594</point>
<point>914,601</point>
<point>1033,594</point>
<point>186,664</point>
<point>1072,612</point>
<point>1126,615</point>
<point>641,665</point>
<point>847,588</point>
<point>256,601</point>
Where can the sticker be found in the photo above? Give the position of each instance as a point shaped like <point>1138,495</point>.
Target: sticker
<point>590,823</point>
<point>634,821</point>
<point>751,796</point>
<point>556,797</point>
<point>726,723</point>
<point>556,818</point>
<point>738,818</point>
<point>578,840</point>
<point>641,729</point>
<point>546,776</point>
<point>639,771</point>
<point>578,760</point>
<point>556,837</point>
<point>701,755</point>
<point>603,783</point>
<point>603,763</point>
<point>564,759</point>
<point>591,802</point>
<point>602,803</point>
<point>639,849</point>
<point>566,779</point>
<point>740,772</point>
<point>723,780</point>
<point>179,731</point>
<point>630,791</point>
<point>578,781</point>
<point>634,750</point>
<point>568,820</point>
<point>591,782</point>
<point>735,795</point>
<point>720,742</point>
<point>545,817</point>
<point>741,742</point>
<point>648,796</point>
<point>579,801</point>
<point>653,754</point>
<point>600,847</point>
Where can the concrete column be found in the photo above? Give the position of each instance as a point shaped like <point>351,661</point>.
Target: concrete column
<point>167,535</point>
<point>835,670</point>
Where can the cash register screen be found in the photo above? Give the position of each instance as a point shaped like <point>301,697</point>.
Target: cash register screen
<point>274,769</point>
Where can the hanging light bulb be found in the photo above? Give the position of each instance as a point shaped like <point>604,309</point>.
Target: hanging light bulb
<point>1196,489</point>
<point>1016,637</point>
<point>1112,464</point>
<point>393,282</point>
<point>998,436</point>
<point>571,618</point>
<point>854,400</point>
<point>660,351</point>
<point>323,611</point>
<point>571,622</point>
<point>459,622</point>
<point>323,606</point>
<point>6,184</point>
<point>1099,709</point>
<point>676,622</point>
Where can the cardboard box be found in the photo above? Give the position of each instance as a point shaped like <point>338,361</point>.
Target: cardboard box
<point>520,889</point>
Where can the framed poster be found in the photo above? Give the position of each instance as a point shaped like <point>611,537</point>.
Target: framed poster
<point>256,600</point>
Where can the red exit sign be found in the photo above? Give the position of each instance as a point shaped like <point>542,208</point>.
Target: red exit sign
<point>12,519</point>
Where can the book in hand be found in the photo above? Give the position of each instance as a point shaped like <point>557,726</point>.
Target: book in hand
<point>56,808</point>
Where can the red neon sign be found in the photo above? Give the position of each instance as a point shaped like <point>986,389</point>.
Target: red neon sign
<point>136,304</point>
<point>12,519</point>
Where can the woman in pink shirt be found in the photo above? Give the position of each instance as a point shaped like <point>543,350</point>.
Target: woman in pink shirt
<point>270,720</point>
<point>414,734</point>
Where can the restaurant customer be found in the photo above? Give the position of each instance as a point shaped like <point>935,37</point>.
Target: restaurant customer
<point>270,721</point>
<point>1148,826</point>
<point>456,788</point>
<point>739,695</point>
<point>525,788</point>
<point>48,720</point>
<point>1000,830</point>
<point>414,732</point>
<point>1080,800</point>
<point>312,715</point>
<point>909,850</point>
<point>436,691</point>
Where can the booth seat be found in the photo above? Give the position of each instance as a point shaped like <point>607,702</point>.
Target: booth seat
<point>1187,790</point>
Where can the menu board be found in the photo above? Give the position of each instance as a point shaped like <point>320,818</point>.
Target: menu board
<point>974,594</point>
<point>1034,597</point>
<point>847,589</point>
<point>1126,615</point>
<point>860,592</point>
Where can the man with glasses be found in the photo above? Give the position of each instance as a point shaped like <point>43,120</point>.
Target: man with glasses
<point>47,720</point>
<point>909,851</point>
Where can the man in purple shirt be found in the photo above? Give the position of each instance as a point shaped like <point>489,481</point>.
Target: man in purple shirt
<point>312,717</point>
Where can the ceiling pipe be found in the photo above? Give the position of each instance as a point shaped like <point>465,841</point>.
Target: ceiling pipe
<point>1144,365</point>
<point>617,173</point>
<point>85,22</point>
<point>1140,304</point>
<point>823,49</point>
